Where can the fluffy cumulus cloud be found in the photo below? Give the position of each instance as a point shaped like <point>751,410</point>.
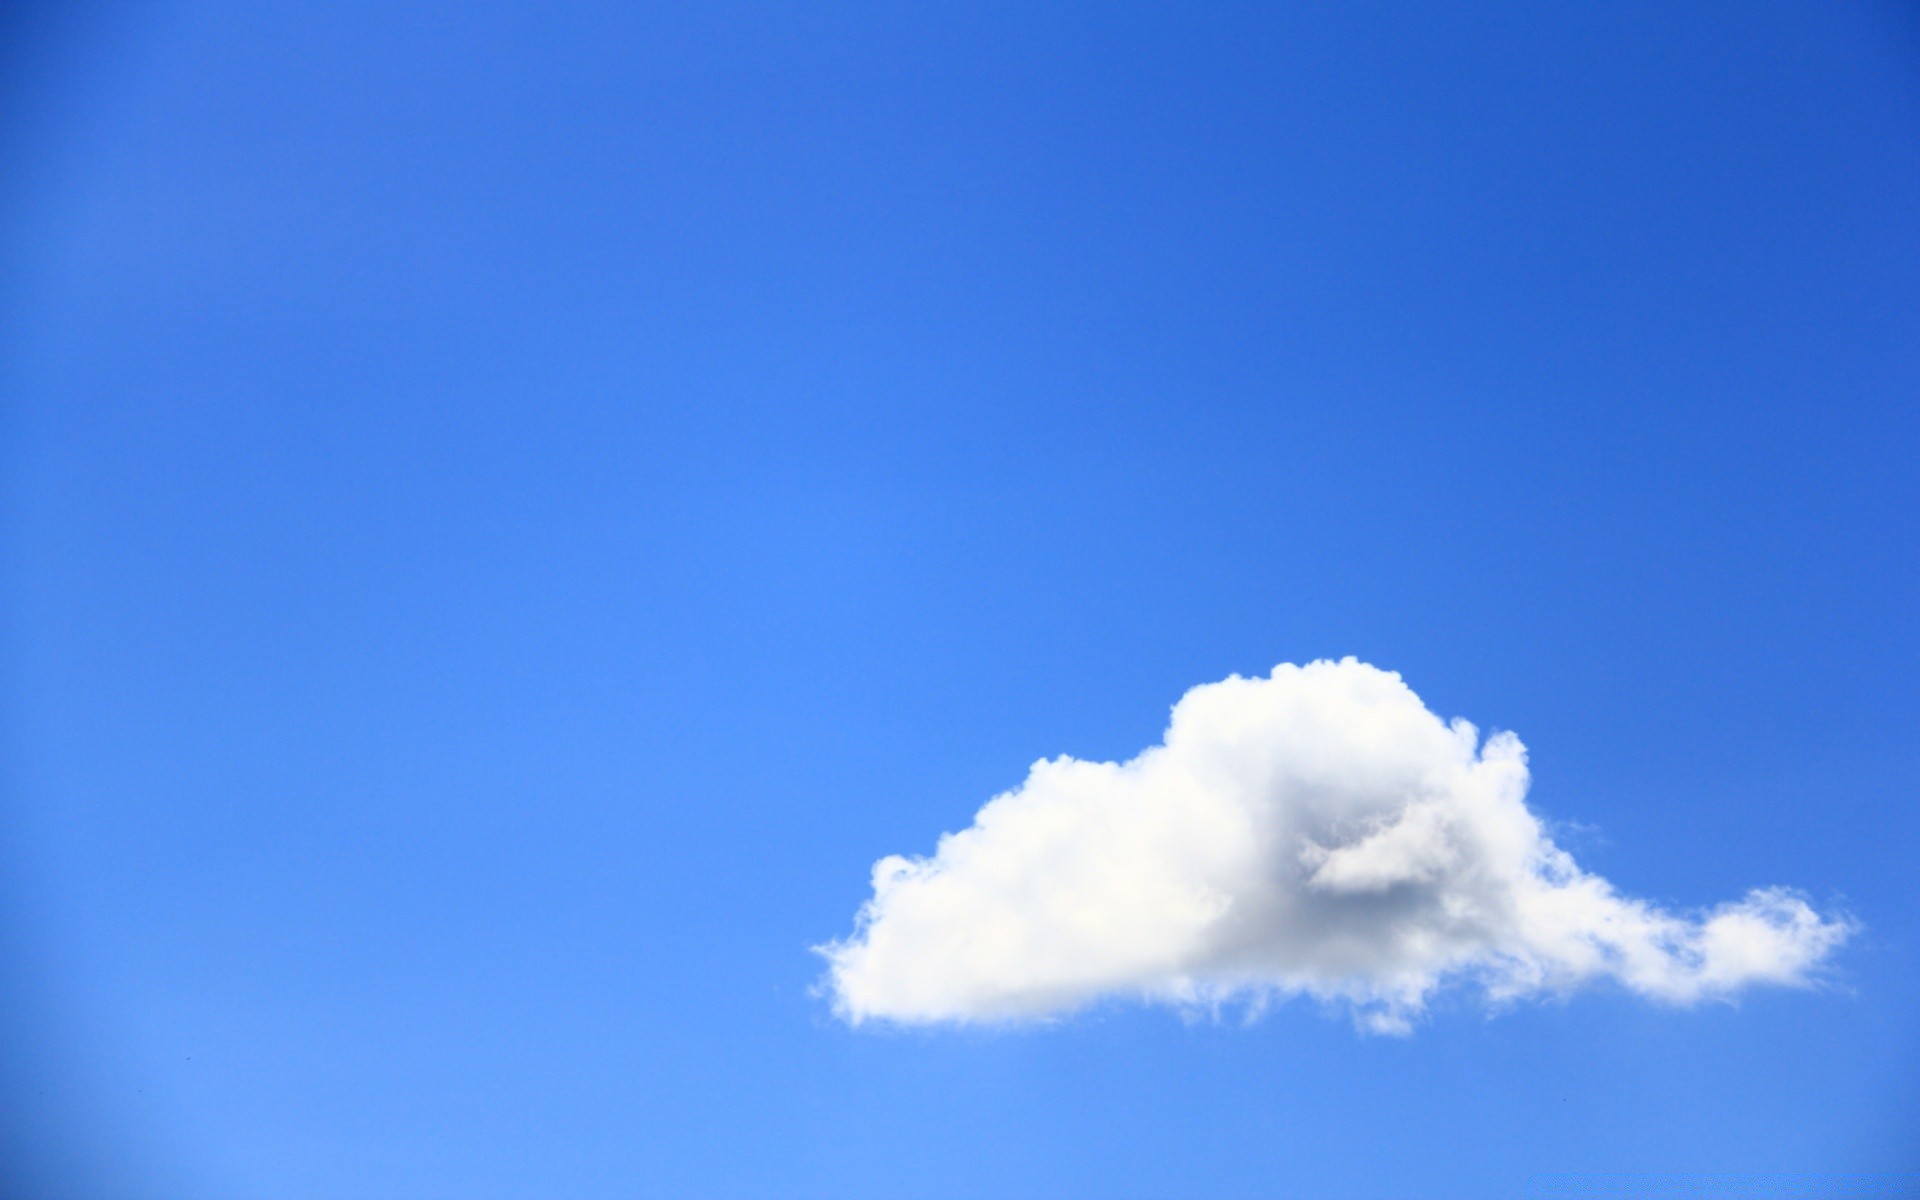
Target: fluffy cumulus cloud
<point>1316,832</point>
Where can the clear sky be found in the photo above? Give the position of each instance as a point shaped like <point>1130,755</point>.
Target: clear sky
<point>510,511</point>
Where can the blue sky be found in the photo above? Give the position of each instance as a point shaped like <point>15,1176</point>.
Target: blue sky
<point>510,512</point>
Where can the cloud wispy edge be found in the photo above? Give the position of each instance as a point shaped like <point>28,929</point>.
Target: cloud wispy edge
<point>1315,832</point>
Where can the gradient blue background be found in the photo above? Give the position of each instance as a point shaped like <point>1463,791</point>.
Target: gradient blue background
<point>510,510</point>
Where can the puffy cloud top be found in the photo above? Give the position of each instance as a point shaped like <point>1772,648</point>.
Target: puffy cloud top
<point>1315,832</point>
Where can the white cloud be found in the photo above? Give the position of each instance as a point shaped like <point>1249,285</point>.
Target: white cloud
<point>1317,832</point>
